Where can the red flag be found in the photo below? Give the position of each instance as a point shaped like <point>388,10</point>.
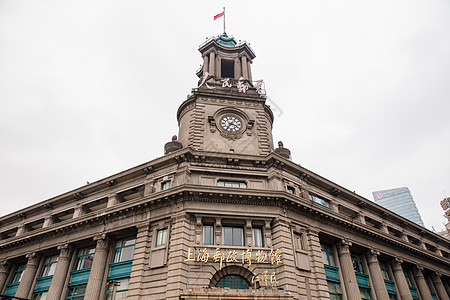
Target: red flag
<point>219,15</point>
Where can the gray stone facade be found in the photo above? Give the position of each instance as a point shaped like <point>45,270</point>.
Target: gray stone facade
<point>224,217</point>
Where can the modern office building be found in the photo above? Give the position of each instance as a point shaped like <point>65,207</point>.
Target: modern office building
<point>222,215</point>
<point>400,201</point>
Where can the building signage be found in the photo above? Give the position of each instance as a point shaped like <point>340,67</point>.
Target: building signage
<point>244,257</point>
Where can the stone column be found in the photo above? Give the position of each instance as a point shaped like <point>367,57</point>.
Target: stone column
<point>62,267</point>
<point>212,60</point>
<point>5,267</point>
<point>244,67</point>
<point>249,68</point>
<point>400,280</point>
<point>26,283</point>
<point>439,286</point>
<point>205,64</point>
<point>348,273</point>
<point>95,282</point>
<point>421,284</point>
<point>377,277</point>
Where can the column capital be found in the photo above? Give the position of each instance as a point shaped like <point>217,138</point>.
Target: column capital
<point>313,230</point>
<point>344,246</point>
<point>397,263</point>
<point>5,266</point>
<point>372,256</point>
<point>65,250</point>
<point>418,271</point>
<point>33,258</point>
<point>436,277</point>
<point>102,241</point>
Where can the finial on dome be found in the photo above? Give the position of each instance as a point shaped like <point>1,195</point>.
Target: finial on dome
<point>172,146</point>
<point>284,152</point>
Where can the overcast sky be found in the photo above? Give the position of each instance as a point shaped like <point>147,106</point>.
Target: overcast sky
<point>360,89</point>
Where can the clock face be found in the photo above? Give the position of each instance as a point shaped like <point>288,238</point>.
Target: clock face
<point>231,124</point>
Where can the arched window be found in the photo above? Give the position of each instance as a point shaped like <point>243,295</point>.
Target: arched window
<point>233,282</point>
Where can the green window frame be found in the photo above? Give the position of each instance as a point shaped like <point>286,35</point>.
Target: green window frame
<point>358,265</point>
<point>49,267</point>
<point>327,255</point>
<point>124,249</point>
<point>365,293</point>
<point>85,258</point>
<point>161,237</point>
<point>40,296</point>
<point>385,271</point>
<point>335,291</point>
<point>18,273</point>
<point>208,234</point>
<point>76,292</point>
<point>233,282</point>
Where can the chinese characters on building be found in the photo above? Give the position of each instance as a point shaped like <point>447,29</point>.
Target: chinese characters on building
<point>244,257</point>
<point>242,85</point>
<point>445,204</point>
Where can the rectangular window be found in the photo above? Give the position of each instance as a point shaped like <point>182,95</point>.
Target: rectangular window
<point>227,68</point>
<point>40,296</point>
<point>258,237</point>
<point>76,292</point>
<point>233,184</point>
<point>117,289</point>
<point>319,200</point>
<point>334,289</point>
<point>18,273</point>
<point>233,236</point>
<point>291,190</point>
<point>49,266</point>
<point>327,255</point>
<point>165,185</point>
<point>208,235</point>
<point>124,249</point>
<point>85,258</point>
<point>298,241</point>
<point>161,237</point>
<point>408,279</point>
<point>384,271</point>
<point>358,264</point>
<point>365,294</point>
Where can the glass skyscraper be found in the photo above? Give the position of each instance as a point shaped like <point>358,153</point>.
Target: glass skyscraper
<point>400,201</point>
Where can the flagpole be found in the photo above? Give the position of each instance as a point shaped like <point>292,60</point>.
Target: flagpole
<point>224,31</point>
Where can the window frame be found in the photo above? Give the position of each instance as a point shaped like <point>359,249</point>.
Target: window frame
<point>18,273</point>
<point>359,264</point>
<point>119,247</point>
<point>234,229</point>
<point>161,237</point>
<point>166,184</point>
<point>49,265</point>
<point>256,243</point>
<point>211,234</point>
<point>70,297</point>
<point>232,183</point>
<point>82,255</point>
<point>320,200</point>
<point>328,251</point>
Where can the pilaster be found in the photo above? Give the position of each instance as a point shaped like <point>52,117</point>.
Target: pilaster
<point>377,277</point>
<point>62,268</point>
<point>440,289</point>
<point>421,284</point>
<point>26,283</point>
<point>95,282</point>
<point>348,274</point>
<point>400,280</point>
<point>5,268</point>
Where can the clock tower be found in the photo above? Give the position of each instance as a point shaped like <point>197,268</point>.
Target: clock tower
<point>227,111</point>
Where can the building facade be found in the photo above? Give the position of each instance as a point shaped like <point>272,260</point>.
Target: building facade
<point>401,202</point>
<point>222,215</point>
